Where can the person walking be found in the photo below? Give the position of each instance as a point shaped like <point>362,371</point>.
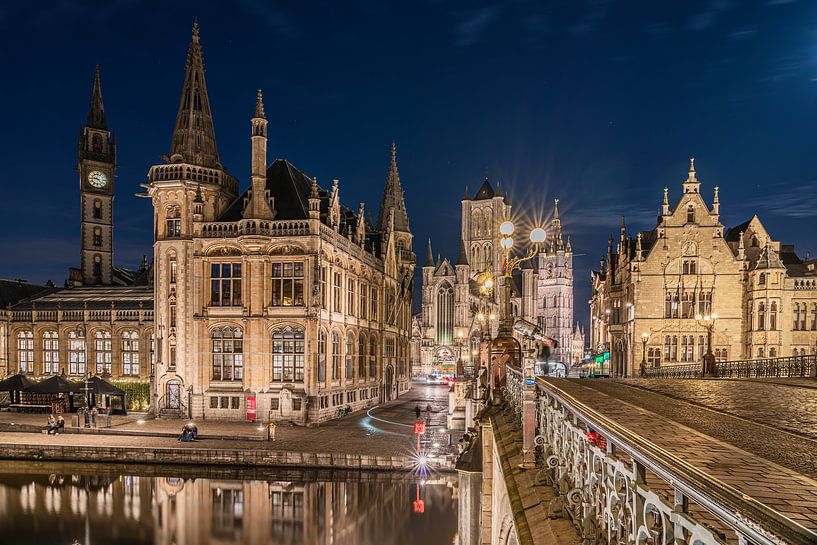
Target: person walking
<point>94,413</point>
<point>417,411</point>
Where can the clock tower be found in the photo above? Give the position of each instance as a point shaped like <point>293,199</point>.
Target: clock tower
<point>96,163</point>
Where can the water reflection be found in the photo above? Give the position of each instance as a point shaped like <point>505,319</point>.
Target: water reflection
<point>107,506</point>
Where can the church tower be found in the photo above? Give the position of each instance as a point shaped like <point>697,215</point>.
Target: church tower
<point>96,164</point>
<point>554,296</point>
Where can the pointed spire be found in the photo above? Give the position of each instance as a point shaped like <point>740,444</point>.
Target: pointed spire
<point>429,262</point>
<point>692,167</point>
<point>639,254</point>
<point>194,138</point>
<point>96,112</point>
<point>465,196</point>
<point>568,248</point>
<point>462,259</point>
<point>393,198</point>
<point>259,106</point>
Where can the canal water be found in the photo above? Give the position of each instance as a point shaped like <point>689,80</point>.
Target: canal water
<point>56,504</point>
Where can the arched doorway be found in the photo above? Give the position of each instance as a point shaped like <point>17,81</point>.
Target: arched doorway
<point>173,393</point>
<point>389,384</point>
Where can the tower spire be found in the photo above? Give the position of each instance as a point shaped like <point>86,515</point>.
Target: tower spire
<point>194,138</point>
<point>96,112</point>
<point>429,262</point>
<point>393,198</point>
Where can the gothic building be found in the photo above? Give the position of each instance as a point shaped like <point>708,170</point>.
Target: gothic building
<point>649,290</point>
<point>453,311</point>
<point>102,321</point>
<point>277,299</point>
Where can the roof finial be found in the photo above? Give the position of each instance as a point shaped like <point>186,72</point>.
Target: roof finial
<point>314,193</point>
<point>555,209</point>
<point>692,165</point>
<point>393,152</point>
<point>96,112</point>
<point>196,29</point>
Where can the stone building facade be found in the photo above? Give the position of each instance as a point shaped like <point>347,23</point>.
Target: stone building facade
<point>277,299</point>
<point>101,322</point>
<point>448,328</point>
<point>653,286</point>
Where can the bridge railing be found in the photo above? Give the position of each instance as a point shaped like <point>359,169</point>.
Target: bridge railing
<point>609,499</point>
<point>785,367</point>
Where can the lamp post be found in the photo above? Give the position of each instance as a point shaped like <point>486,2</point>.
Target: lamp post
<point>508,343</point>
<point>644,338</point>
<point>707,321</point>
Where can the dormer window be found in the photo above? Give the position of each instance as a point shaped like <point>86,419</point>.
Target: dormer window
<point>691,214</point>
<point>755,242</point>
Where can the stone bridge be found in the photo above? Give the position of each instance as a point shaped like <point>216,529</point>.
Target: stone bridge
<point>651,461</point>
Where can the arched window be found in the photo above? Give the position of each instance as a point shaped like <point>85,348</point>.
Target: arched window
<point>761,316</point>
<point>690,213</point>
<point>350,357</point>
<point>228,353</point>
<point>97,209</point>
<point>51,352</point>
<point>130,353</point>
<point>102,352</point>
<point>760,352</point>
<point>322,355</point>
<point>795,325</point>
<point>96,143</point>
<point>814,316</point>
<point>772,352</point>
<point>76,353</point>
<point>336,355</point>
<point>97,236</point>
<point>445,314</point>
<point>773,316</point>
<point>25,351</point>
<point>361,357</point>
<point>372,357</point>
<point>287,354</point>
<point>475,223</point>
<point>98,269</point>
<point>755,242</point>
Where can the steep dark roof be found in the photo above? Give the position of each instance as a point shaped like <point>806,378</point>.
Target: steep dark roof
<point>14,291</point>
<point>486,191</point>
<point>289,187</point>
<point>733,233</point>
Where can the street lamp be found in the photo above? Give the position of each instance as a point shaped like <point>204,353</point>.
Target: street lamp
<point>537,237</point>
<point>644,338</point>
<point>707,321</point>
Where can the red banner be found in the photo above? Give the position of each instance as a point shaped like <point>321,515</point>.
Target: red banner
<point>419,428</point>
<point>251,409</point>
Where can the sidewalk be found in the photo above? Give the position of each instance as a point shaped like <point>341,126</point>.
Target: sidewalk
<point>386,433</point>
<point>787,491</point>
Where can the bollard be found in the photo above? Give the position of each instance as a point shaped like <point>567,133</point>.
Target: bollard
<point>108,419</point>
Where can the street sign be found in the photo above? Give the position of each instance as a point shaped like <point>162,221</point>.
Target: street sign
<point>419,427</point>
<point>530,382</point>
<point>419,506</point>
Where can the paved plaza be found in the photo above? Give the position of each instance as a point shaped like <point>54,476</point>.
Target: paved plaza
<point>383,430</point>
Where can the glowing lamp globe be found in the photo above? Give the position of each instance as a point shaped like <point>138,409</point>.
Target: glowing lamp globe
<point>488,284</point>
<point>506,228</point>
<point>698,317</point>
<point>506,243</point>
<point>714,315</point>
<point>537,236</point>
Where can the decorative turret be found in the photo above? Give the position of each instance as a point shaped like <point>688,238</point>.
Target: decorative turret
<point>260,205</point>
<point>691,184</point>
<point>665,205</point>
<point>716,205</point>
<point>639,253</point>
<point>393,198</point>
<point>462,258</point>
<point>360,231</point>
<point>741,247</point>
<point>96,112</point>
<point>314,201</point>
<point>198,204</point>
<point>194,138</point>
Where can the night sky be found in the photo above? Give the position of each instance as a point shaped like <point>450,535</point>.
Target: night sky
<point>598,103</point>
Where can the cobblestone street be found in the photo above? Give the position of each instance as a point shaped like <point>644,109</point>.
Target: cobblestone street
<point>774,467</point>
<point>383,430</point>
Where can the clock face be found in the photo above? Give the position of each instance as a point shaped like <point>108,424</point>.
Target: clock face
<point>97,179</point>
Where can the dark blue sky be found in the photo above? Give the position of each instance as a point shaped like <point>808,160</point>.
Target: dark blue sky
<point>599,103</point>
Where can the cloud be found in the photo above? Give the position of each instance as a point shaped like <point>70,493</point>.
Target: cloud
<point>789,201</point>
<point>278,21</point>
<point>470,29</point>
<point>657,30</point>
<point>707,18</point>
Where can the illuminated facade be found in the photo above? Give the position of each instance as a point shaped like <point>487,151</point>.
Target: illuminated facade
<point>653,287</point>
<point>278,297</point>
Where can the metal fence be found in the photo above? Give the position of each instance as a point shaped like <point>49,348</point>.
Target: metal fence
<point>786,367</point>
<point>608,498</point>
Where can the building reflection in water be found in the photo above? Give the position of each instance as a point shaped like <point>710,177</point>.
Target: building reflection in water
<point>101,508</point>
